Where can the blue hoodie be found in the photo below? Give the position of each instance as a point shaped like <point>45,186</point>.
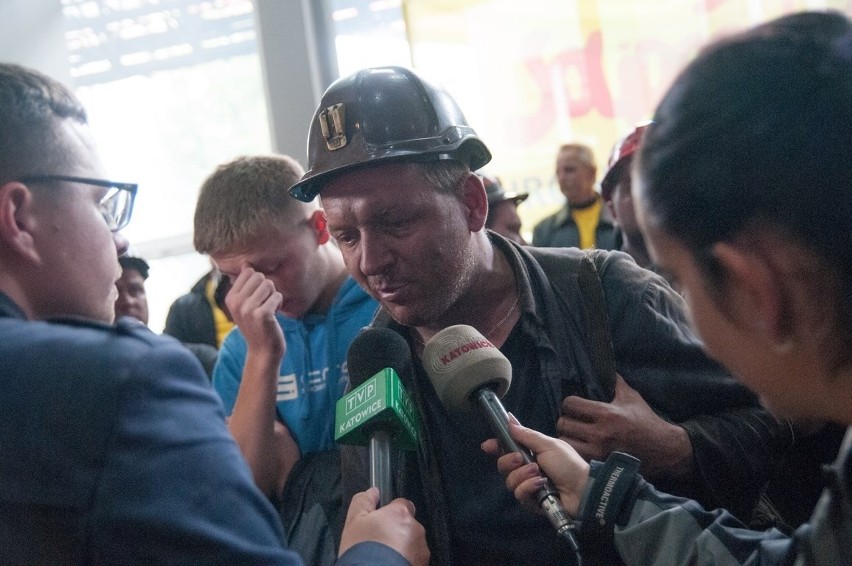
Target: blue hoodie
<point>313,374</point>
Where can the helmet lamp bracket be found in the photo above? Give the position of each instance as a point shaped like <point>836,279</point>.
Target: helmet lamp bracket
<point>332,122</point>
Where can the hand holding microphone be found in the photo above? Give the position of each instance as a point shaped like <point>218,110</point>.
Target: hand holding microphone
<point>393,525</point>
<point>467,371</point>
<point>568,471</point>
<point>377,411</point>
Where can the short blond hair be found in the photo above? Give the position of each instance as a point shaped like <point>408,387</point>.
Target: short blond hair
<point>244,196</point>
<point>584,154</point>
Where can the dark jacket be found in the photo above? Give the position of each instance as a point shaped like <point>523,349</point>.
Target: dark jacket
<point>637,514</point>
<point>190,317</point>
<point>115,451</point>
<point>560,231</point>
<point>109,436</point>
<point>472,518</point>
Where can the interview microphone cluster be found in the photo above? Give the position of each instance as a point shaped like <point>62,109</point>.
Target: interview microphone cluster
<point>469,372</point>
<point>377,412</point>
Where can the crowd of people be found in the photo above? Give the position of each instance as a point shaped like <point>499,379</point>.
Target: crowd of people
<point>678,341</point>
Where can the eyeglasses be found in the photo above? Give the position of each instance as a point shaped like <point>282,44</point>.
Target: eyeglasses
<point>117,204</point>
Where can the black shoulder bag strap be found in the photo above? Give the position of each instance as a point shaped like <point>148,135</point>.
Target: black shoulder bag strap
<point>598,338</point>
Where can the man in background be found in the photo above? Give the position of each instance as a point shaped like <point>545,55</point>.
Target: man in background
<point>617,193</point>
<point>198,316</point>
<point>132,300</point>
<point>503,210</point>
<point>583,222</point>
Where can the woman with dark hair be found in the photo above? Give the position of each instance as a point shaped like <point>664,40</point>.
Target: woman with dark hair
<point>744,186</point>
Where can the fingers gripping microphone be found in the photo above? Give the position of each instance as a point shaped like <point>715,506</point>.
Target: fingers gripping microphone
<point>377,412</point>
<point>469,371</point>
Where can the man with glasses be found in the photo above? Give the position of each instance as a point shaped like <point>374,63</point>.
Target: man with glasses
<point>114,447</point>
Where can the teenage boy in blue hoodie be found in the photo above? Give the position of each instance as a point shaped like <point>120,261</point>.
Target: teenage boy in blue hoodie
<point>281,371</point>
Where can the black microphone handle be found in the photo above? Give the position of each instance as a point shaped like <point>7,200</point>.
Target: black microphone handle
<point>380,465</point>
<point>547,495</point>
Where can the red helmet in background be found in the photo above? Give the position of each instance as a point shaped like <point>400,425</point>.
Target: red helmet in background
<point>380,115</point>
<point>624,148</point>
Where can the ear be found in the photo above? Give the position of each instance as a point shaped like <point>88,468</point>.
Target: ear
<point>319,222</point>
<point>17,220</point>
<point>475,201</point>
<point>755,293</point>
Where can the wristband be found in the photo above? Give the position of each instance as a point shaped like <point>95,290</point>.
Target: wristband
<point>613,481</point>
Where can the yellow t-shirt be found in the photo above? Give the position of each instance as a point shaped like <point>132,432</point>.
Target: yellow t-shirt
<point>223,325</point>
<point>587,223</point>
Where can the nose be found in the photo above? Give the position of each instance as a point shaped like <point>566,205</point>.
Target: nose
<point>376,255</point>
<point>123,302</point>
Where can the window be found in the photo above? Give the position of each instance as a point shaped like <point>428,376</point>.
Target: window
<point>173,88</point>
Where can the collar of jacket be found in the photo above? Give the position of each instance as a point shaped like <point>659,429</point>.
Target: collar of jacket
<point>563,216</point>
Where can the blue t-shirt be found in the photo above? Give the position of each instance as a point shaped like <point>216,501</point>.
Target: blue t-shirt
<point>313,374</point>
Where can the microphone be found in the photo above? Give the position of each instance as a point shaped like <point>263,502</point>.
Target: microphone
<point>467,371</point>
<point>377,411</point>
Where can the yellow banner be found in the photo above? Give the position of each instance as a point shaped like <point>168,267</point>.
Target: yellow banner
<point>533,74</point>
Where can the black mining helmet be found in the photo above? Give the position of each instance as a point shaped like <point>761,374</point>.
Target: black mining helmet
<point>385,114</point>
